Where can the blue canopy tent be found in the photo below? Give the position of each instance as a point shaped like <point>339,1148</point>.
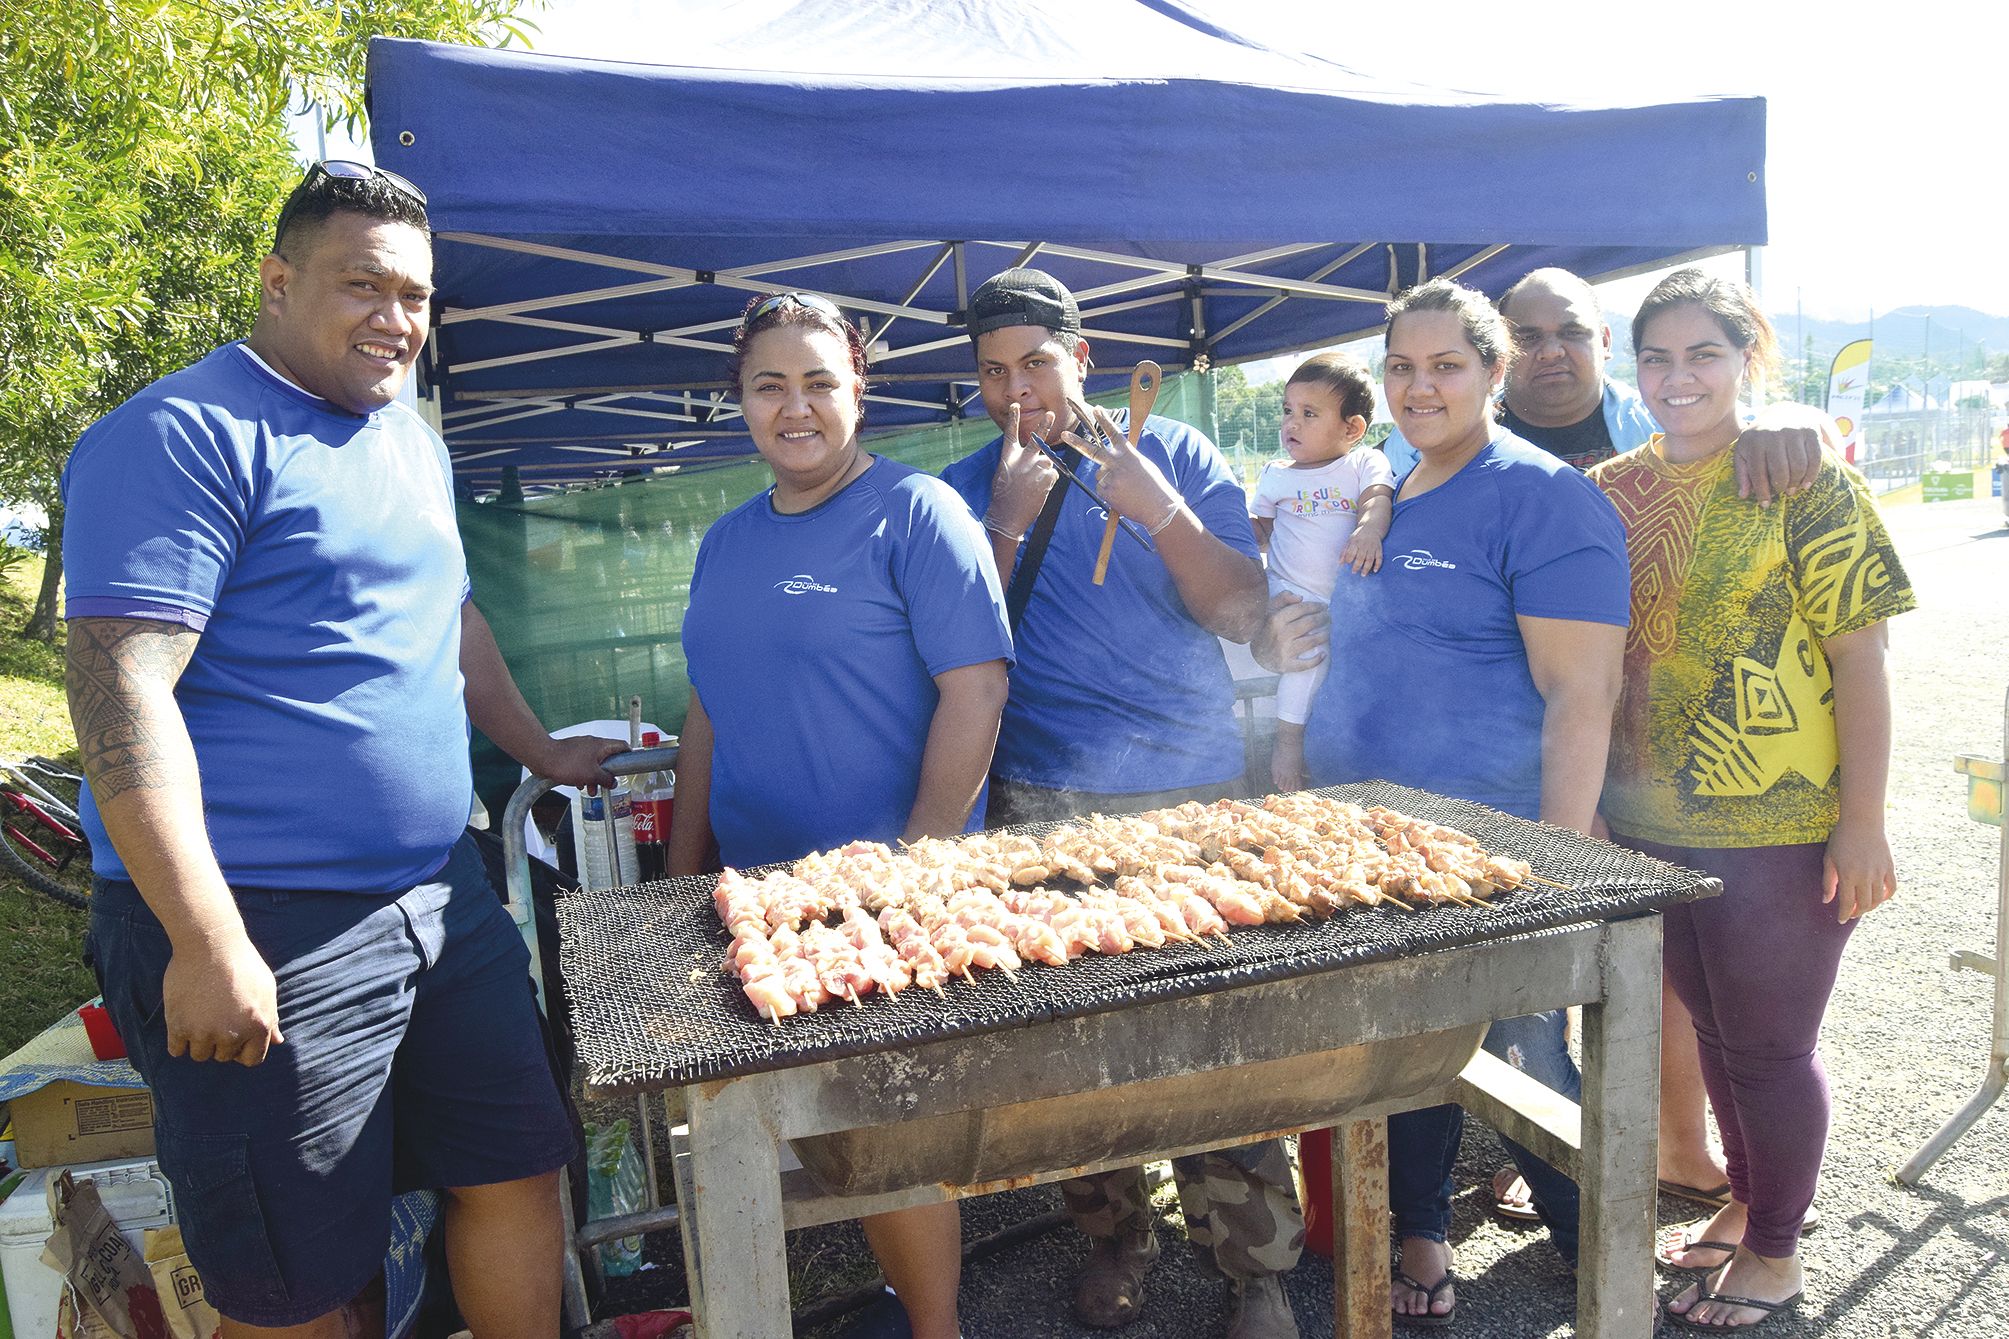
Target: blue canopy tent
<point>602,223</point>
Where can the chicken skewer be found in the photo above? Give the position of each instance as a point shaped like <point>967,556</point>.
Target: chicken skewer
<point>837,925</point>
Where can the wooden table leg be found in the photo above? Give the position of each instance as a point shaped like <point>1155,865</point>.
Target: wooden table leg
<point>1621,1132</point>
<point>1361,1305</point>
<point>734,1244</point>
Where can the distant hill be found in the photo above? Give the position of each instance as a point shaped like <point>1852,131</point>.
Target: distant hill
<point>1901,333</point>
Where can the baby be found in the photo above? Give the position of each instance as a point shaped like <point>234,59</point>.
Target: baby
<point>1326,505</point>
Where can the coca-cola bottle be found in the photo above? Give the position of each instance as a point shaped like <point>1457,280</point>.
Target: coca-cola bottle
<point>651,802</point>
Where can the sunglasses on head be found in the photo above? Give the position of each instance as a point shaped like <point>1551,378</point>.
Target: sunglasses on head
<point>344,169</point>
<point>815,302</point>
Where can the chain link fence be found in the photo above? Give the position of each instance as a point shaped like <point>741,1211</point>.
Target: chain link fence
<point>1898,449</point>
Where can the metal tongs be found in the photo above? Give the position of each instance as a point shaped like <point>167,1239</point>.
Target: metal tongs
<point>1130,527</point>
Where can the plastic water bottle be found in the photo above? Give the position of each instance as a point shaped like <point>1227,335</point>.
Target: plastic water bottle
<point>595,815</point>
<point>654,796</point>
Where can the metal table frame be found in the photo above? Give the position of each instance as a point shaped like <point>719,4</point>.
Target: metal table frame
<point>737,1202</point>
<point>1985,782</point>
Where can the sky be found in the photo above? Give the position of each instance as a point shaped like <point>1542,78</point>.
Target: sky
<point>1886,181</point>
<point>1888,185</point>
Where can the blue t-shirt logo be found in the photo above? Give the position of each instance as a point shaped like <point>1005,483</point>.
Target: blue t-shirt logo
<point>802,584</point>
<point>1416,559</point>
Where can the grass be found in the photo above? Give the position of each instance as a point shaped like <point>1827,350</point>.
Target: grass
<point>42,975</point>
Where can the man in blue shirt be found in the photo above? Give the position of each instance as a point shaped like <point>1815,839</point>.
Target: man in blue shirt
<point>272,663</point>
<point>1121,701</point>
<point>1121,698</point>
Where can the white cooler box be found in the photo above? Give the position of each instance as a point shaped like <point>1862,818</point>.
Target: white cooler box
<point>135,1194</point>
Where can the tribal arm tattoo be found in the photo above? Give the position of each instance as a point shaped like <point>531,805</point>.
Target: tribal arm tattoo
<point>119,672</point>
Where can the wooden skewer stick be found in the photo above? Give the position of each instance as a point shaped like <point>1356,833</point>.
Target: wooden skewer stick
<point>1143,394</point>
<point>1547,883</point>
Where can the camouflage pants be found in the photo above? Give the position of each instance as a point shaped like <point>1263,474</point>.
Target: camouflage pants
<point>1240,1203</point>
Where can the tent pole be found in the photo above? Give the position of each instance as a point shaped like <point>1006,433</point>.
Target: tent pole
<point>1754,278</point>
<point>1209,408</point>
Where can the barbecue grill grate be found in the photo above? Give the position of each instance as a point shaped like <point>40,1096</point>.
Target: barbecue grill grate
<point>652,1007</point>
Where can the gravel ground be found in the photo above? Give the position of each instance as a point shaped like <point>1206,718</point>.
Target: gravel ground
<point>1906,1044</point>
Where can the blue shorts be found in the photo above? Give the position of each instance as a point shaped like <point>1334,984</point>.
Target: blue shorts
<point>412,1060</point>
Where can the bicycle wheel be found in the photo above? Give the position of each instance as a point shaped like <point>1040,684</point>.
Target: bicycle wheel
<point>30,871</point>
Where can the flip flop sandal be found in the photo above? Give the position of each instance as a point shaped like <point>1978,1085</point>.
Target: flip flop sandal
<point>1771,1310</point>
<point>1508,1206</point>
<point>1720,1197</point>
<point>1427,1320</point>
<point>1663,1253</point>
<point>1715,1199</point>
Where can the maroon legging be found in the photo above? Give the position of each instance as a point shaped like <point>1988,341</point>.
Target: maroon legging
<point>1755,967</point>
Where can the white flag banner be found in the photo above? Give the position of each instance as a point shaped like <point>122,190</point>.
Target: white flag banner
<point>1848,387</point>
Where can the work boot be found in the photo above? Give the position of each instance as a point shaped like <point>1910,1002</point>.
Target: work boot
<point>1261,1310</point>
<point>1109,1291</point>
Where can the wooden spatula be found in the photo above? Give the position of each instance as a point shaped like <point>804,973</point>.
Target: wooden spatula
<point>1143,394</point>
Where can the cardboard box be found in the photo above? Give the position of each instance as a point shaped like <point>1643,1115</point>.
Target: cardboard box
<point>67,1122</point>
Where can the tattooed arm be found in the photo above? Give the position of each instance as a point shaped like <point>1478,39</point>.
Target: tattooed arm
<point>219,995</point>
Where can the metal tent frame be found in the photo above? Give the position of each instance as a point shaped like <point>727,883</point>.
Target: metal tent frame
<point>603,223</point>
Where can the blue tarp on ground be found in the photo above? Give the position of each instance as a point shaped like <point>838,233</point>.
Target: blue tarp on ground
<point>603,222</point>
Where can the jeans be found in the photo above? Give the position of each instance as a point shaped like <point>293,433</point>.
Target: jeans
<point>1423,1145</point>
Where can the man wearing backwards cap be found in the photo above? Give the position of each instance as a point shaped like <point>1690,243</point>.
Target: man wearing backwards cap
<point>1121,701</point>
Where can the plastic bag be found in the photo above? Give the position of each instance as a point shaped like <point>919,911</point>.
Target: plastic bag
<point>614,1186</point>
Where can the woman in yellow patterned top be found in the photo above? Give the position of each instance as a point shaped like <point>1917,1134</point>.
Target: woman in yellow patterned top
<point>1752,742</point>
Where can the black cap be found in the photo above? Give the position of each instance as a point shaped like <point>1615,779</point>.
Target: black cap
<point>1023,297</point>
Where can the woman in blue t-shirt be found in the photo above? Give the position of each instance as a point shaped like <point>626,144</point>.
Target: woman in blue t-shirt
<point>847,647</point>
<point>1482,662</point>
